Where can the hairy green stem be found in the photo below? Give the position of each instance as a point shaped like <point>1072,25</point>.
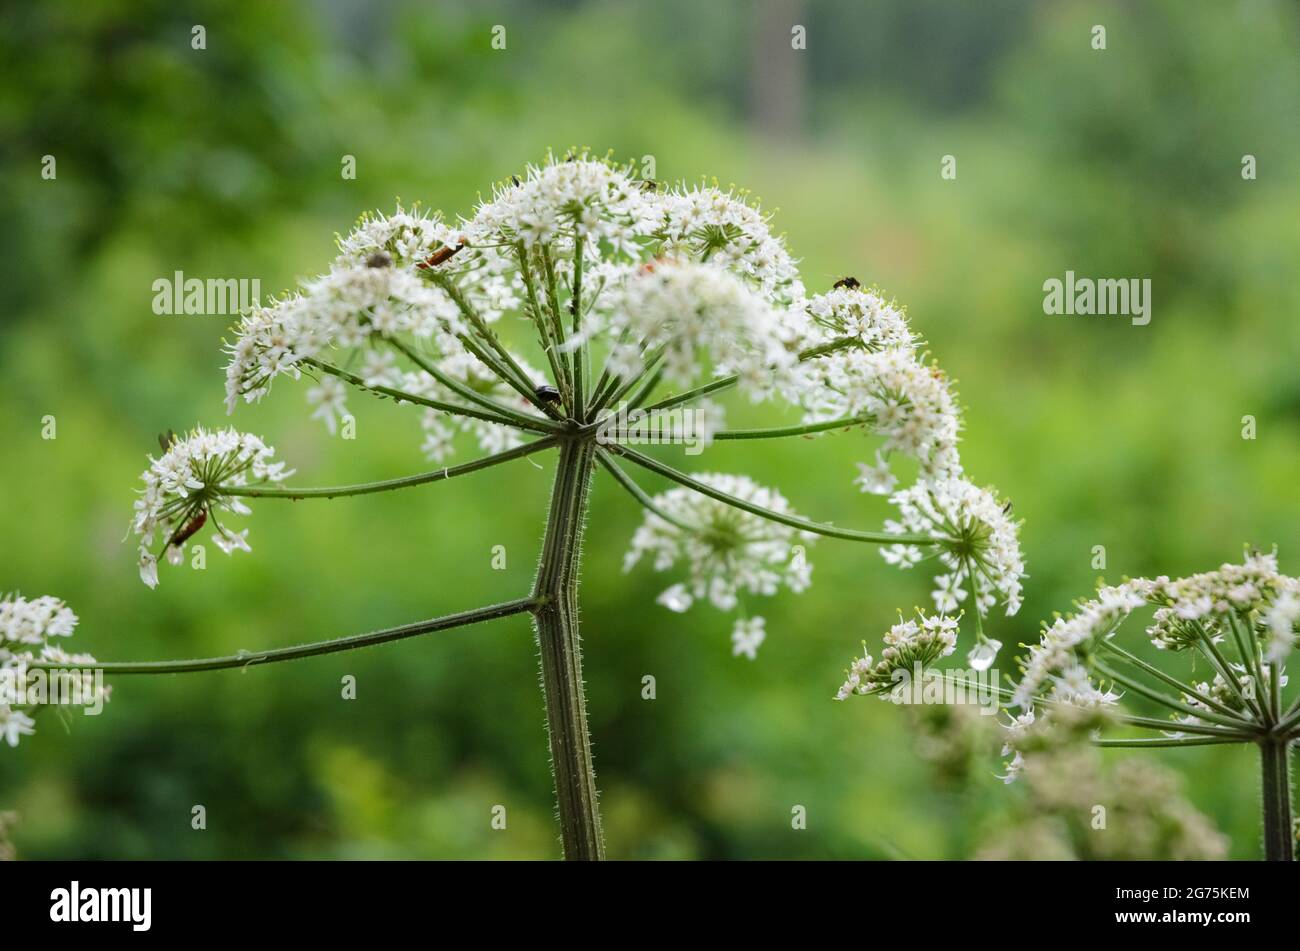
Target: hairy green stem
<point>817,528</point>
<point>365,488</point>
<point>804,429</point>
<point>1275,764</point>
<point>1165,741</point>
<point>459,388</point>
<point>351,642</point>
<point>560,646</point>
<point>539,425</point>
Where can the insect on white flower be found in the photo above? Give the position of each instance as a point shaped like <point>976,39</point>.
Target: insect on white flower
<point>186,487</point>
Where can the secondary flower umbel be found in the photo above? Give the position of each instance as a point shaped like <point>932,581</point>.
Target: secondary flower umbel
<point>727,552</point>
<point>183,491</point>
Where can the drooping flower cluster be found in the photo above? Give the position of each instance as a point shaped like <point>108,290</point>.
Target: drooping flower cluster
<point>26,630</point>
<point>727,552</point>
<point>184,490</point>
<point>911,646</point>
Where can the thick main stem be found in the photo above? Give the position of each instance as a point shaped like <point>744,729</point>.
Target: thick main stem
<point>560,645</point>
<point>1279,836</point>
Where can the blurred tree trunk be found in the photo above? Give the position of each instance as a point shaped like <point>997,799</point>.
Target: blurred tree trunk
<point>777,71</point>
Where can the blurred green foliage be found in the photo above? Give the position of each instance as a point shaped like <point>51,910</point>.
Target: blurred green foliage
<point>225,162</point>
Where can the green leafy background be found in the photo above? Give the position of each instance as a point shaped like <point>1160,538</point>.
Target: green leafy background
<point>225,162</point>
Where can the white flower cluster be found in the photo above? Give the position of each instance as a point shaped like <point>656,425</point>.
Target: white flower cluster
<point>1253,590</point>
<point>26,628</point>
<point>882,378</point>
<point>726,550</point>
<point>342,309</point>
<point>910,647</point>
<point>408,238</point>
<point>865,315</point>
<point>562,202</point>
<point>1054,664</point>
<point>1250,603</point>
<point>724,229</point>
<point>680,286</point>
<point>183,490</point>
<point>701,321</point>
<point>899,397</point>
<point>979,543</point>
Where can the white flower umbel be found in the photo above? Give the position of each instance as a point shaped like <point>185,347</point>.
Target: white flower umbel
<point>341,310</point>
<point>1239,621</point>
<point>32,631</point>
<point>584,310</point>
<point>726,551</point>
<point>183,491</point>
<point>562,202</point>
<point>1062,644</point>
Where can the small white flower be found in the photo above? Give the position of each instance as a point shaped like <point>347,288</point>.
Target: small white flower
<point>876,479</point>
<point>330,397</point>
<point>676,598</point>
<point>26,627</point>
<point>746,637</point>
<point>15,724</point>
<point>911,646</point>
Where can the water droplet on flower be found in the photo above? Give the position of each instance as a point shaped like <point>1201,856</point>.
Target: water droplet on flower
<point>676,598</point>
<point>983,654</point>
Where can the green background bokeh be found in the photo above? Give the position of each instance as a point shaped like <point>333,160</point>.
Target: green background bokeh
<point>226,162</point>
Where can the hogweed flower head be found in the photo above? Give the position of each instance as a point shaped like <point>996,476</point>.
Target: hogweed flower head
<point>1238,620</point>
<point>575,300</point>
